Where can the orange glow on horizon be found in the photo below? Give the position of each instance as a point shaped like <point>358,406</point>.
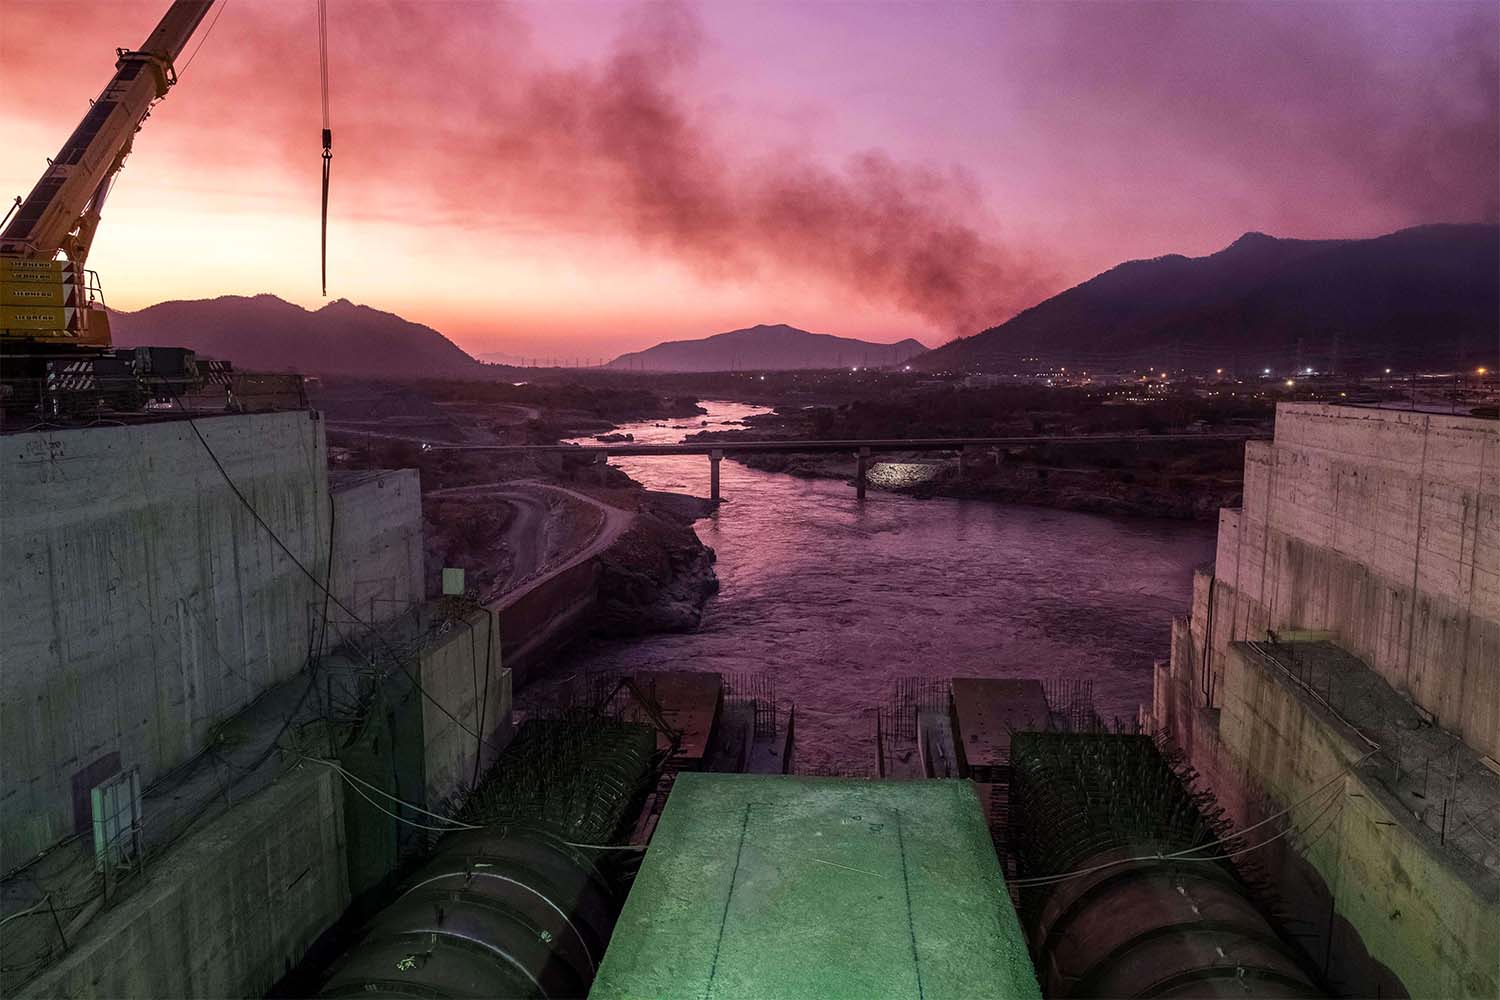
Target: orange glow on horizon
<point>591,178</point>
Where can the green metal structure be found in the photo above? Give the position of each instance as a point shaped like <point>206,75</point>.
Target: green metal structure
<point>769,886</point>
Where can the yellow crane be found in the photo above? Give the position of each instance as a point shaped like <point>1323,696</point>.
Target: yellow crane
<point>55,301</point>
<point>51,305</point>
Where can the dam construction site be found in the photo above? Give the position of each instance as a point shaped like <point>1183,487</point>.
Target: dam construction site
<point>350,685</point>
<point>252,747</point>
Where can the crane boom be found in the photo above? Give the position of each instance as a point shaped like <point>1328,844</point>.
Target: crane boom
<point>47,303</point>
<point>63,208</point>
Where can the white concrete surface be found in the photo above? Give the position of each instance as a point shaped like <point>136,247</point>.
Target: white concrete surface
<point>141,603</point>
<point>377,545</point>
<point>229,910</point>
<point>466,708</point>
<point>1382,527</point>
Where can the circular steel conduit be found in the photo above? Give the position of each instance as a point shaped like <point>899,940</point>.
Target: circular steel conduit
<point>1159,928</point>
<point>495,913</point>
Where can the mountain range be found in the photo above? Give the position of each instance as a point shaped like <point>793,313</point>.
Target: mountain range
<point>1428,296</point>
<point>775,347</point>
<point>265,333</point>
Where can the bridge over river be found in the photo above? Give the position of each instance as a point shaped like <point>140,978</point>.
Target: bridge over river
<point>965,447</point>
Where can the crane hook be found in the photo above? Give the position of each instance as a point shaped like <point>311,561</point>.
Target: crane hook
<point>327,134</point>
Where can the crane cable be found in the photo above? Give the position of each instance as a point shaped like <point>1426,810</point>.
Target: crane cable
<point>327,134</point>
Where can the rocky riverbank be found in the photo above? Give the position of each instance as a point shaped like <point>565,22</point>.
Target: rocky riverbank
<point>657,576</point>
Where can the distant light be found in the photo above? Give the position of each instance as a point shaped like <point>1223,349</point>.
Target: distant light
<point>1343,394</point>
<point>762,378</point>
<point>854,369</point>
<point>907,368</point>
<point>1268,371</point>
<point>1218,371</point>
<point>1164,375</point>
<point>1481,371</point>
<point>1387,371</point>
<point>1307,371</point>
<point>1290,383</point>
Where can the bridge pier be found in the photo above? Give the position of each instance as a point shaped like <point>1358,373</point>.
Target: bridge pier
<point>860,475</point>
<point>713,474</point>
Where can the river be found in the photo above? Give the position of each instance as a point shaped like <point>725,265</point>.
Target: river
<point>838,598</point>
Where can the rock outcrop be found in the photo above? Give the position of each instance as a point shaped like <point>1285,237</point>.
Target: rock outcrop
<point>657,575</point>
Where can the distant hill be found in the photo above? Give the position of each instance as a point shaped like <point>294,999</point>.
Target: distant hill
<point>1427,296</point>
<point>265,333</point>
<point>766,348</point>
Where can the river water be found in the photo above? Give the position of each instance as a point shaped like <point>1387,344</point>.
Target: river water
<point>837,598</point>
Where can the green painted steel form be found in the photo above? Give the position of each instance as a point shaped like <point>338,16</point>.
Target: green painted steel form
<point>769,886</point>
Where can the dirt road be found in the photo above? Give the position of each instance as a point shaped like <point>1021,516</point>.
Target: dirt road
<point>554,529</point>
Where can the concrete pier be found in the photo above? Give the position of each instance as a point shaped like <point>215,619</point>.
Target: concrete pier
<point>714,458</point>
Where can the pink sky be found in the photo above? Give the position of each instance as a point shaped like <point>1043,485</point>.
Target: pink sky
<point>581,179</point>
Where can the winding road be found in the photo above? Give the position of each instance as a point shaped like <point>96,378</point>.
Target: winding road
<point>531,535</point>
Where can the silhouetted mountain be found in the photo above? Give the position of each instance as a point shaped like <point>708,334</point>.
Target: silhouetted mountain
<point>766,348</point>
<point>1427,296</point>
<point>265,333</point>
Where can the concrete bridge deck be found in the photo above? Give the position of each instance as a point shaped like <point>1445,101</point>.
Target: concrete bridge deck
<point>862,448</point>
<point>628,449</point>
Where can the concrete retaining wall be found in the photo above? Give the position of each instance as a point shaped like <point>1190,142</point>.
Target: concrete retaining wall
<point>541,619</point>
<point>141,603</point>
<point>229,910</point>
<point>377,544</point>
<point>1384,528</point>
<point>1372,866</point>
<point>467,697</point>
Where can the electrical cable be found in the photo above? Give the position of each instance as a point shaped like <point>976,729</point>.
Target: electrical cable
<point>29,910</point>
<point>351,776</point>
<point>314,660</point>
<point>484,699</point>
<point>1184,855</point>
<point>1332,801</point>
<point>401,819</point>
<point>193,424</point>
<point>355,781</point>
<point>1177,856</point>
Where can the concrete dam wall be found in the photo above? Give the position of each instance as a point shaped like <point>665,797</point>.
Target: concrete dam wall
<point>142,603</point>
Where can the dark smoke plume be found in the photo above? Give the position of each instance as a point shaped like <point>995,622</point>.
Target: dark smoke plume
<point>624,139</point>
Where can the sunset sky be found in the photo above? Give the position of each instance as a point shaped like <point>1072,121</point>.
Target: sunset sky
<point>580,179</point>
